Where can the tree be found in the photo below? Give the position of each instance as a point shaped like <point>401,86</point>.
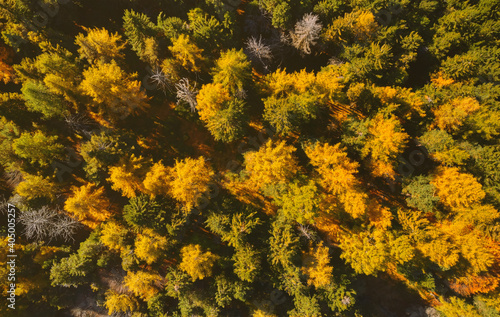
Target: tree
<point>189,180</point>
<point>128,175</point>
<point>456,189</point>
<point>150,246</point>
<point>46,224</point>
<point>211,99</point>
<point>233,230</point>
<point>196,263</point>
<point>156,181</point>
<point>385,141</point>
<point>336,170</point>
<point>208,31</point>
<point>226,124</point>
<point>295,98</point>
<point>246,263</point>
<point>443,148</point>
<point>37,187</point>
<point>475,250</point>
<point>9,131</point>
<point>451,115</point>
<point>99,45</point>
<point>221,113</point>
<point>6,70</point>
<point>40,99</point>
<point>143,212</point>
<point>371,251</point>
<point>457,307</point>
<point>258,51</point>
<point>38,148</point>
<point>186,53</point>
<point>140,33</point>
<point>114,236</point>
<point>77,268</point>
<point>337,175</point>
<point>287,114</point>
<point>116,92</point>
<point>366,252</point>
<point>299,202</point>
<point>316,266</point>
<point>421,194</point>
<point>306,33</point>
<point>89,204</point>
<point>142,284</point>
<point>273,163</point>
<point>103,150</point>
<point>186,93</point>
<point>283,244</point>
<point>119,303</point>
<point>440,250</point>
<point>232,70</point>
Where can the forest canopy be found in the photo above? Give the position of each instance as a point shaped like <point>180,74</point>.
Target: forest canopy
<point>250,157</point>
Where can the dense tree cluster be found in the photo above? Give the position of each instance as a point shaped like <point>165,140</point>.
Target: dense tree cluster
<point>251,158</point>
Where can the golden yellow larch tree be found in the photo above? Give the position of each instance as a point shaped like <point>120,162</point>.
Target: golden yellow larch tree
<point>127,177</point>
<point>273,163</point>
<point>366,252</point>
<point>186,53</point>
<point>150,246</point>
<point>189,180</point>
<point>440,249</point>
<point>385,141</point>
<point>336,170</point>
<point>451,115</point>
<point>378,215</point>
<point>456,307</point>
<point>143,284</point>
<point>337,173</point>
<point>456,189</point>
<point>317,266</point>
<point>37,186</point>
<point>355,202</point>
<point>120,303</point>
<point>156,181</point>
<point>89,204</point>
<point>99,44</point>
<point>474,249</point>
<point>116,93</point>
<point>211,99</point>
<point>196,263</point>
<point>113,235</point>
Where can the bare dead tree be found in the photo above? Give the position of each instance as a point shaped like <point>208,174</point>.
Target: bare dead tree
<point>306,232</point>
<point>47,223</point>
<point>258,51</point>
<point>79,123</point>
<point>186,94</point>
<point>66,228</point>
<point>160,80</point>
<point>38,223</point>
<point>306,33</point>
<point>13,177</point>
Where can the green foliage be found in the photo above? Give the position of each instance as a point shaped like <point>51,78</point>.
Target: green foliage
<point>139,30</point>
<point>299,202</point>
<point>39,99</point>
<point>38,148</point>
<point>421,194</point>
<point>232,70</point>
<point>183,220</point>
<point>143,211</point>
